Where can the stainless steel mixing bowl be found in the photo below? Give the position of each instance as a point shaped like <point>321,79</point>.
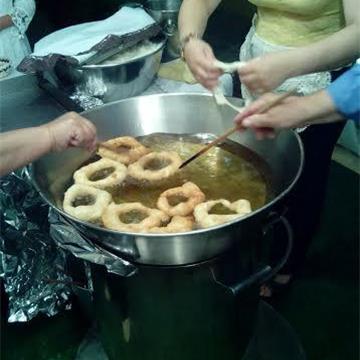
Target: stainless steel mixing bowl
<point>111,82</point>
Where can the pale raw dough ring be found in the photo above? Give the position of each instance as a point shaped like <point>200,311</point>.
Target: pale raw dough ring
<point>205,220</point>
<point>111,217</point>
<point>190,191</point>
<point>138,171</point>
<point>90,212</point>
<point>83,175</point>
<point>132,150</point>
<point>177,224</point>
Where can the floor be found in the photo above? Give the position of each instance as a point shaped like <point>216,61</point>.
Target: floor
<point>322,304</point>
<point>346,158</point>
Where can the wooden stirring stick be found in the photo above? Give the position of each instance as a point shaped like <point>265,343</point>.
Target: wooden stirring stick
<point>221,138</point>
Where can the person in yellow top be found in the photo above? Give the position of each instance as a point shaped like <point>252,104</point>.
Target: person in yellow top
<point>292,44</point>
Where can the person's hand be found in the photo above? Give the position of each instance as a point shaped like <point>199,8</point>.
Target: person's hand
<point>200,59</point>
<point>266,73</point>
<point>71,130</point>
<point>292,112</point>
<point>288,114</point>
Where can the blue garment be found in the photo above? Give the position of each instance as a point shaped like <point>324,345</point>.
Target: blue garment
<point>345,92</point>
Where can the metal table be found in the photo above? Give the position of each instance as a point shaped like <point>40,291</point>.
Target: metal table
<point>24,104</point>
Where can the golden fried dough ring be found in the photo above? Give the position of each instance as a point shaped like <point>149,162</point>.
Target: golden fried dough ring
<point>152,217</point>
<point>176,225</point>
<point>126,150</point>
<point>100,199</point>
<point>166,163</point>
<point>189,192</point>
<point>204,219</point>
<point>90,175</point>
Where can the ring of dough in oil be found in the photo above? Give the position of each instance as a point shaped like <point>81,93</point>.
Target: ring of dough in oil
<point>91,212</point>
<point>205,220</point>
<point>126,150</point>
<point>116,177</point>
<point>171,161</point>
<point>177,224</point>
<point>190,191</point>
<point>111,217</point>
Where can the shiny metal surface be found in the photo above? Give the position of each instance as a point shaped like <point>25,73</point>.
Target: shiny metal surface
<point>165,13</point>
<point>24,104</point>
<point>113,82</point>
<point>178,114</point>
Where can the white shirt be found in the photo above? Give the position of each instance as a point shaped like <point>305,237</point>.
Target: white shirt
<point>14,44</point>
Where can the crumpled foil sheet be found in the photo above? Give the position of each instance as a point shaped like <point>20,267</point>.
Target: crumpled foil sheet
<point>69,239</point>
<point>31,264</point>
<point>87,102</point>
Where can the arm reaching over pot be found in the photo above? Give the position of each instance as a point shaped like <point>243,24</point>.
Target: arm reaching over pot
<point>341,100</point>
<point>198,54</point>
<point>20,147</point>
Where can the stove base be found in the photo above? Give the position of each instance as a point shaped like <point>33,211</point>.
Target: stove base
<point>274,339</point>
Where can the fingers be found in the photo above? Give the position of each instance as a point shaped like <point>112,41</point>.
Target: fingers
<point>71,129</point>
<point>264,133</point>
<point>84,133</point>
<point>200,58</point>
<point>262,124</point>
<point>254,107</point>
<point>261,75</point>
<point>259,121</point>
<point>255,85</point>
<point>206,76</point>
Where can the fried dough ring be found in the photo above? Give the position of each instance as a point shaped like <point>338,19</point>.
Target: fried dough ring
<point>190,191</point>
<point>91,212</point>
<point>176,225</point>
<point>138,169</point>
<point>111,217</point>
<point>205,220</point>
<point>133,150</point>
<point>83,175</point>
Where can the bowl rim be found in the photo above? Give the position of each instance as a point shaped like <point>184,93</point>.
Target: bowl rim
<point>161,46</point>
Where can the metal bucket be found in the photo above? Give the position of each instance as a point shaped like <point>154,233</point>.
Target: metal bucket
<point>165,13</point>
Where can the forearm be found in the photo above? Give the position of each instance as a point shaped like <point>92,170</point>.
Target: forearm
<point>336,50</point>
<point>19,147</point>
<point>318,108</point>
<point>5,22</point>
<point>194,15</point>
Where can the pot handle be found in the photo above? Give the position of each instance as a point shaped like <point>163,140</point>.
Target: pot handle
<point>265,272</point>
<point>280,219</point>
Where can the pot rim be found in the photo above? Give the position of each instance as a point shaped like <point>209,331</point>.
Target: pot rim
<point>161,46</point>
<point>193,232</point>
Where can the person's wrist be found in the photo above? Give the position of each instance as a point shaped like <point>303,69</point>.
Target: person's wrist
<point>315,106</point>
<point>48,137</point>
<point>185,41</point>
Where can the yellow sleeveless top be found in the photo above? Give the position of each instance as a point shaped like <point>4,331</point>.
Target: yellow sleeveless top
<point>297,22</point>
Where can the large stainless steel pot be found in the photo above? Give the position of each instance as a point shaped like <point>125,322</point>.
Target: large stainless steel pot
<point>111,82</point>
<point>178,114</point>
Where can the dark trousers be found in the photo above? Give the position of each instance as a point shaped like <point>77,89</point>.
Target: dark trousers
<point>306,202</point>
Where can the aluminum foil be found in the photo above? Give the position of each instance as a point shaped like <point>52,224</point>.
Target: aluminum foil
<point>87,102</point>
<point>68,238</point>
<point>31,265</point>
